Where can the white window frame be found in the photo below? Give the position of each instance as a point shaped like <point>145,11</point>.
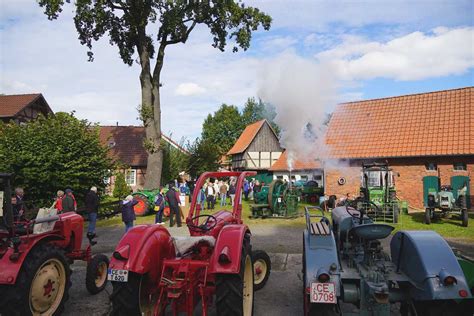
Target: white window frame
<point>459,166</point>
<point>127,178</point>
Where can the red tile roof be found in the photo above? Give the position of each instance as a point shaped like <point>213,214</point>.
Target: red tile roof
<point>246,138</point>
<point>282,164</point>
<point>10,105</point>
<point>126,144</point>
<point>428,124</point>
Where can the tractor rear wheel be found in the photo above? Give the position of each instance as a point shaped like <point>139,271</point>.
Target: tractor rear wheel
<point>427,216</point>
<point>464,217</point>
<point>96,275</point>
<point>234,292</point>
<point>125,296</point>
<point>43,283</point>
<point>261,268</point>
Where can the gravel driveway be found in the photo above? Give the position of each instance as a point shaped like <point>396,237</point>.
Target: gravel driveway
<point>281,296</point>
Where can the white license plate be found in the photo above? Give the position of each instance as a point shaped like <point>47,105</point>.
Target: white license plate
<point>117,275</point>
<point>323,293</point>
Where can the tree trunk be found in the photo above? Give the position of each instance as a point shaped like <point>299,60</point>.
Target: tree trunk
<point>151,100</point>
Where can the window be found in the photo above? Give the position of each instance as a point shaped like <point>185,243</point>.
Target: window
<point>304,178</point>
<point>280,177</point>
<point>431,166</point>
<point>131,177</point>
<point>460,166</point>
<point>373,179</point>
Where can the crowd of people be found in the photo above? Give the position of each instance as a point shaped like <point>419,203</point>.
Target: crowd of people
<point>212,192</point>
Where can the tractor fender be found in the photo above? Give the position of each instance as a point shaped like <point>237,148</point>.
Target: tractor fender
<point>230,242</point>
<point>143,249</point>
<point>426,258</point>
<point>11,267</point>
<point>320,253</point>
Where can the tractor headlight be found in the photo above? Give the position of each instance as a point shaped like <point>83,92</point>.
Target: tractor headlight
<point>446,278</point>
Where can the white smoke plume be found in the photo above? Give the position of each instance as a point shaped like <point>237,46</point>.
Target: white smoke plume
<point>302,92</point>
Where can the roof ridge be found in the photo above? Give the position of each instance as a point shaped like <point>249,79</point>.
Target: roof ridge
<point>407,95</point>
<point>20,94</point>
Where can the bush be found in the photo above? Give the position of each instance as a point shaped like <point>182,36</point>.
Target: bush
<point>121,189</point>
<point>54,153</point>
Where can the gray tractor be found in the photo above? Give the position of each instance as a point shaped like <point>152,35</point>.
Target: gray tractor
<point>444,200</point>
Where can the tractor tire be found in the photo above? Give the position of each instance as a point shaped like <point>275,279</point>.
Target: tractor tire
<point>234,292</point>
<point>396,213</point>
<point>464,217</point>
<point>262,267</point>
<point>96,275</point>
<point>126,296</point>
<point>42,286</point>
<point>427,216</point>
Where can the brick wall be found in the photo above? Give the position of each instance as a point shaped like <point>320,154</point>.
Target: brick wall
<point>410,182</point>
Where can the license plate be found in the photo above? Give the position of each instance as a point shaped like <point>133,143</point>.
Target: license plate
<point>323,293</point>
<point>117,275</point>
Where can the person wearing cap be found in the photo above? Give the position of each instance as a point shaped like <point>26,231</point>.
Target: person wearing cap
<point>69,202</point>
<point>128,214</point>
<point>92,207</point>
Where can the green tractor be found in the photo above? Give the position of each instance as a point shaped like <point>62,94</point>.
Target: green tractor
<point>378,187</point>
<point>146,201</point>
<point>310,191</point>
<point>443,200</point>
<point>277,200</point>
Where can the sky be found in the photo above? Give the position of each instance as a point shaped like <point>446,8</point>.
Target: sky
<point>371,49</point>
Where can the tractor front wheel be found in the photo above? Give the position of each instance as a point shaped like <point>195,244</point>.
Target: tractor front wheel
<point>261,268</point>
<point>234,292</point>
<point>125,296</point>
<point>43,283</point>
<point>464,217</point>
<point>96,275</point>
<point>427,216</point>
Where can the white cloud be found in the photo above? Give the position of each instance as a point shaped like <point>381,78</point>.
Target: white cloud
<point>189,89</point>
<point>411,57</point>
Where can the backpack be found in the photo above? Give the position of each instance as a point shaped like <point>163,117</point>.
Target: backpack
<point>159,199</point>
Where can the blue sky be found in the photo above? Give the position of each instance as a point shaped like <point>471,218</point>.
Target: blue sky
<point>365,49</point>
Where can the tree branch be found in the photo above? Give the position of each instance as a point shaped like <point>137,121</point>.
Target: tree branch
<point>184,38</point>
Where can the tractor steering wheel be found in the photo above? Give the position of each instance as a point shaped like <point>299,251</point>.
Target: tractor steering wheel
<point>204,227</point>
<point>353,204</point>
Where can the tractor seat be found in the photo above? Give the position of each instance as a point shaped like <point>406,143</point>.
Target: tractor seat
<point>320,228</point>
<point>182,245</point>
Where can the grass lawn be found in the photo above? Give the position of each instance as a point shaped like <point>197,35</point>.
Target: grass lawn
<point>446,227</point>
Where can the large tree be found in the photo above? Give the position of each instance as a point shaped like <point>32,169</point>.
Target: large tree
<point>146,28</point>
<point>258,110</point>
<point>54,153</point>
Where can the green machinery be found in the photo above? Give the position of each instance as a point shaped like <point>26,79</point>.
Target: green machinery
<point>310,191</point>
<point>443,200</point>
<point>276,200</point>
<point>146,201</point>
<point>378,187</point>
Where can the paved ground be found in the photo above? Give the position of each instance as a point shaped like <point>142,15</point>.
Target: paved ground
<point>281,296</point>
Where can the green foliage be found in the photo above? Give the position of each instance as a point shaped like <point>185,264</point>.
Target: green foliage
<point>54,153</point>
<point>223,128</point>
<point>121,189</point>
<point>204,157</point>
<point>126,23</point>
<point>174,161</point>
<point>255,111</point>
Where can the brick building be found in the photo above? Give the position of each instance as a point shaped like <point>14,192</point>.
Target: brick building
<point>125,145</point>
<point>418,135</point>
<point>20,108</point>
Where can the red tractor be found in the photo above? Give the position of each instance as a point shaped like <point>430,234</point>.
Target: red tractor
<point>35,258</point>
<point>152,272</point>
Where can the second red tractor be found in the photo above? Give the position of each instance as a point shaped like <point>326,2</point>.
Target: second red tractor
<point>154,272</point>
